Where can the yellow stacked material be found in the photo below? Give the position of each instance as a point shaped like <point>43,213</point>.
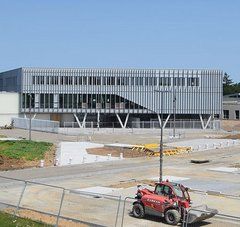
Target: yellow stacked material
<point>151,146</point>
<point>177,150</point>
<point>139,148</point>
<point>153,149</point>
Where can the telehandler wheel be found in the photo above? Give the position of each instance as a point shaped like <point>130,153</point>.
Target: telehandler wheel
<point>138,210</point>
<point>172,217</point>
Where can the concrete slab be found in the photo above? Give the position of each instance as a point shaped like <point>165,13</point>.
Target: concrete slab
<point>226,169</point>
<point>121,145</point>
<point>97,189</point>
<point>213,185</point>
<point>71,153</point>
<point>205,144</point>
<point>9,139</point>
<point>171,178</point>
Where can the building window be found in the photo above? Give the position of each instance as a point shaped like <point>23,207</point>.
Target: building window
<point>193,81</point>
<point>60,100</point>
<point>165,81</point>
<point>41,100</point>
<point>84,80</point>
<point>178,81</point>
<point>33,80</point>
<point>237,114</point>
<point>226,114</point>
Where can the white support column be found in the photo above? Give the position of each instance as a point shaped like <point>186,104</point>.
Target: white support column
<point>84,120</point>
<point>159,119</point>
<point>200,115</point>
<point>126,120</point>
<point>120,121</point>
<point>166,120</point>
<point>98,119</point>
<point>208,121</point>
<point>79,123</point>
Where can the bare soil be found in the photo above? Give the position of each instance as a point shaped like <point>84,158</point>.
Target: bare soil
<point>115,152</point>
<point>128,184</point>
<point>230,125</point>
<point>48,219</point>
<point>235,165</point>
<point>7,163</point>
<point>236,136</point>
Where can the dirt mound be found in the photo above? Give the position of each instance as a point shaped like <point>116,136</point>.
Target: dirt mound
<point>115,152</point>
<point>230,125</point>
<point>7,163</point>
<point>234,137</point>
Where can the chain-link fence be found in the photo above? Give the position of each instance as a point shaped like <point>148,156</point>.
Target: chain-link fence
<point>61,204</point>
<point>36,124</point>
<point>38,200</point>
<point>178,124</point>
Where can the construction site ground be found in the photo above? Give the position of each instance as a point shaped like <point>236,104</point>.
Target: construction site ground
<point>123,177</point>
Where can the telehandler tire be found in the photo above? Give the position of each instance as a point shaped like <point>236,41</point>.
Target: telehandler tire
<point>172,217</point>
<point>138,210</point>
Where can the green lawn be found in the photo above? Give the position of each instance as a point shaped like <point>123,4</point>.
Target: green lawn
<point>7,220</point>
<point>24,149</point>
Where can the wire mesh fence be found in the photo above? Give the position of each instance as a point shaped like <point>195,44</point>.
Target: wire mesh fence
<point>36,124</point>
<point>58,203</point>
<point>178,124</point>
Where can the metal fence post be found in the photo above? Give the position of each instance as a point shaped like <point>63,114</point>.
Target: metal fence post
<point>119,201</point>
<point>60,207</point>
<point>20,198</point>
<point>124,204</point>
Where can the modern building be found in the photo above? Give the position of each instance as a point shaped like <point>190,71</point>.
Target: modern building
<point>116,95</point>
<point>231,106</point>
<point>9,107</point>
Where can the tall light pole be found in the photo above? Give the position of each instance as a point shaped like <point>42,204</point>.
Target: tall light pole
<point>174,114</point>
<point>30,117</point>
<point>161,138</point>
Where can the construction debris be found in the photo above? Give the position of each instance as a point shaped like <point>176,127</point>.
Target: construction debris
<point>153,150</point>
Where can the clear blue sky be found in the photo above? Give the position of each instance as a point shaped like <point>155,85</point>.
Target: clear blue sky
<point>126,33</point>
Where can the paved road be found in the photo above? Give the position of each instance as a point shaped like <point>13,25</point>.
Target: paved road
<point>111,173</point>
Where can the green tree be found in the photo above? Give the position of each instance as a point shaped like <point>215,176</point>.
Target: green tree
<point>228,86</point>
<point>227,80</point>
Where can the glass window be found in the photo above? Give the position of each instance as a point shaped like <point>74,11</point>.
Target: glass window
<point>237,114</point>
<point>104,81</point>
<point>118,81</point>
<point>65,99</point>
<point>41,100</point>
<point>98,80</point>
<point>60,100</point>
<point>112,80</point>
<point>61,80</point>
<point>41,79</point>
<point>47,80</point>
<point>226,114</point>
<point>84,80</point>
<point>132,80</point>
<point>33,79</point>
<point>51,100</point>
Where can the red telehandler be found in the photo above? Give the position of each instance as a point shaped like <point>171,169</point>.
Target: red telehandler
<point>170,201</point>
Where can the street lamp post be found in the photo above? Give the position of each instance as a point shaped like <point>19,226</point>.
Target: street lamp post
<point>161,142</point>
<point>30,117</point>
<point>161,139</point>
<point>174,114</point>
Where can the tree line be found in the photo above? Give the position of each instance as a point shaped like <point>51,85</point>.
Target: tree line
<point>229,87</point>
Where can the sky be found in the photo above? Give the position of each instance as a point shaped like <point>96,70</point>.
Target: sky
<point>188,34</point>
